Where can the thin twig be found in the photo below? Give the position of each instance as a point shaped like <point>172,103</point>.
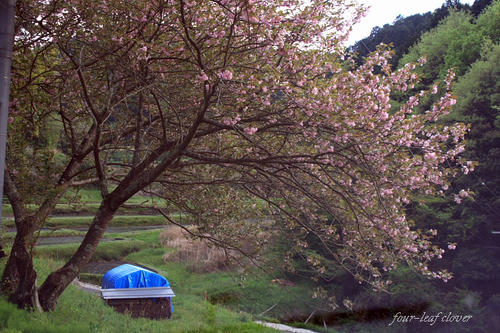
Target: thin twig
<point>272,307</point>
<point>310,316</point>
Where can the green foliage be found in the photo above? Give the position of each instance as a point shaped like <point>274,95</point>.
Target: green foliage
<point>479,6</point>
<point>472,49</point>
<point>405,31</point>
<point>401,34</point>
<point>462,51</point>
<point>453,43</point>
<point>479,89</point>
<point>489,22</point>
<point>479,104</point>
<point>477,266</point>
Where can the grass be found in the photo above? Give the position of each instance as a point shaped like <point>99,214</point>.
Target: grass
<point>197,254</point>
<point>78,311</point>
<point>93,278</point>
<point>252,293</point>
<point>81,312</point>
<point>9,236</point>
<point>87,208</point>
<point>202,275</point>
<point>85,221</point>
<point>105,251</point>
<point>92,195</point>
<point>216,301</point>
<point>83,195</point>
<point>203,298</point>
<point>151,237</point>
<point>88,200</point>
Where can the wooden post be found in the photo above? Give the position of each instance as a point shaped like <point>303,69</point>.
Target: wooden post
<point>7,13</point>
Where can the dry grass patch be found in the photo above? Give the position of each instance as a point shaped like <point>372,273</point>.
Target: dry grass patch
<point>199,255</point>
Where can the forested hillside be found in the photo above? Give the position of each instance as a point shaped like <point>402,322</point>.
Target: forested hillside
<point>405,31</point>
<point>470,47</point>
<point>466,40</point>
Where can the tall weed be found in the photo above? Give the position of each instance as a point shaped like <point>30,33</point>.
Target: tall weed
<point>199,255</point>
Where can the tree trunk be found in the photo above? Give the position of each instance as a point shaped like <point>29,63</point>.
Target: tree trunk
<point>135,180</point>
<point>59,280</point>
<point>26,294</point>
<point>19,277</point>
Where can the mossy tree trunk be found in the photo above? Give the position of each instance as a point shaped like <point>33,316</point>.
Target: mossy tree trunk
<point>59,280</point>
<point>19,277</point>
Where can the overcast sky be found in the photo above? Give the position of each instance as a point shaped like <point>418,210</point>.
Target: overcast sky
<point>386,11</point>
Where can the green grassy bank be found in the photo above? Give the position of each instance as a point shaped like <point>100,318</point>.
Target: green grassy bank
<point>78,311</point>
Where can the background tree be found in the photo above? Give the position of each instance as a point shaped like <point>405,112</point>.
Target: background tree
<point>455,43</point>
<point>471,223</point>
<point>401,34</point>
<point>406,31</point>
<point>219,102</point>
<point>476,90</point>
<point>451,43</point>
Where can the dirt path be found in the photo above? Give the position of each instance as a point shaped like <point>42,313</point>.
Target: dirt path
<point>90,288</point>
<point>284,328</point>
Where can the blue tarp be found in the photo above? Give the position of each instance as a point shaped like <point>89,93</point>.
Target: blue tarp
<point>130,276</point>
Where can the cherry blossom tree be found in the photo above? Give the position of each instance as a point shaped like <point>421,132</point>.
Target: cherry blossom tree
<point>229,110</point>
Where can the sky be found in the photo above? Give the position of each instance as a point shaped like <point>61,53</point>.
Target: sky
<point>386,11</point>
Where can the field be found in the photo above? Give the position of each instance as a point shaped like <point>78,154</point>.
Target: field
<point>78,311</point>
<point>208,299</point>
<point>212,295</point>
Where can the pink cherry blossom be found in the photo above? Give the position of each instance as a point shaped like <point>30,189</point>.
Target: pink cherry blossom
<point>226,75</point>
<point>203,76</point>
<point>250,130</point>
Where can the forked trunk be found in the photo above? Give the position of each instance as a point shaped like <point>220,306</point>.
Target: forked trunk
<point>57,281</point>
